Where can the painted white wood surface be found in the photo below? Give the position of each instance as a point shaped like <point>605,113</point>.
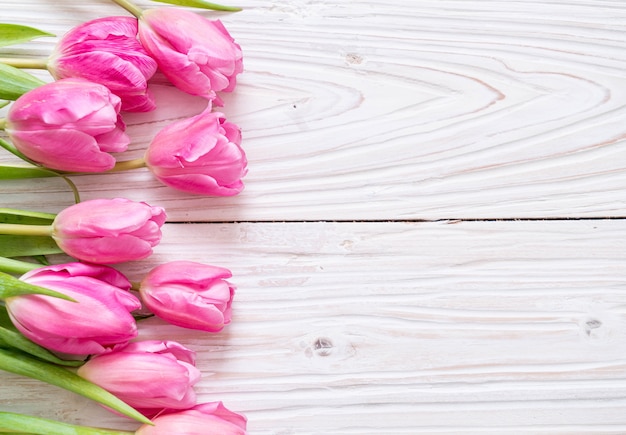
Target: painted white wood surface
<point>399,110</point>
<point>407,109</point>
<point>372,328</point>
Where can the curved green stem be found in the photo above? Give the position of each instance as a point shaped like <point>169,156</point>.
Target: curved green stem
<point>26,230</point>
<point>72,186</point>
<point>11,422</point>
<point>130,7</point>
<point>128,165</point>
<point>15,62</point>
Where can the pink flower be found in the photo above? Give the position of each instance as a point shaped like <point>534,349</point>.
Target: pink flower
<point>188,294</point>
<point>68,125</point>
<point>200,155</point>
<point>204,419</point>
<point>98,322</point>
<point>149,375</point>
<point>107,51</point>
<point>108,230</point>
<point>197,55</point>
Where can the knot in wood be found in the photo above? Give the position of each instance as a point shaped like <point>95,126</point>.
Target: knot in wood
<point>323,346</point>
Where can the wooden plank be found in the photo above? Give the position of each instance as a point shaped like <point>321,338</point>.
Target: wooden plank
<point>396,110</point>
<point>369,328</point>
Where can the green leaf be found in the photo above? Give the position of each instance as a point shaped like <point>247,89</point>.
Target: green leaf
<point>4,103</point>
<point>201,4</point>
<point>15,33</point>
<point>29,425</point>
<point>11,286</point>
<point>15,82</point>
<point>25,217</point>
<point>5,321</point>
<point>25,365</point>
<point>15,340</point>
<point>20,246</point>
<point>41,260</point>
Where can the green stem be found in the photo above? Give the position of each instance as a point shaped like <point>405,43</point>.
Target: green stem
<point>26,230</point>
<point>25,63</point>
<point>11,422</point>
<point>130,7</point>
<point>3,123</point>
<point>128,165</point>
<point>16,267</point>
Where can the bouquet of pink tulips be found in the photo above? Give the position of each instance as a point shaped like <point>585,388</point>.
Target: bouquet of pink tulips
<point>75,324</point>
<point>102,67</point>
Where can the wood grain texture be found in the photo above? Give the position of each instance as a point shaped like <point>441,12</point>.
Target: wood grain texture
<point>401,328</point>
<point>397,110</point>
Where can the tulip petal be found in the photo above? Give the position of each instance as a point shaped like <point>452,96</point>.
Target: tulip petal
<point>190,295</point>
<point>200,155</point>
<point>102,322</point>
<point>77,151</point>
<point>196,54</point>
<point>60,125</point>
<point>145,375</point>
<point>107,51</point>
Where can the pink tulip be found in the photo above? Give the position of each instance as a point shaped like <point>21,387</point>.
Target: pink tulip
<point>206,419</point>
<point>150,376</point>
<point>107,51</point>
<point>200,155</point>
<point>197,55</point>
<point>98,322</point>
<point>188,294</point>
<point>68,125</point>
<point>108,230</point>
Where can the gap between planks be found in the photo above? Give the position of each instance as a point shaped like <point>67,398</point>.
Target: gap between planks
<point>449,220</point>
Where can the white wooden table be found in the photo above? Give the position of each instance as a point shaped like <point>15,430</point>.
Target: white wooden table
<point>432,236</point>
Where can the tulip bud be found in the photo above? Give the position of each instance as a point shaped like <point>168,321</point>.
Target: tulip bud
<point>200,155</point>
<point>189,294</point>
<point>150,376</point>
<point>68,125</point>
<point>197,55</point>
<point>108,230</point>
<point>98,322</point>
<point>107,51</point>
<point>207,418</point>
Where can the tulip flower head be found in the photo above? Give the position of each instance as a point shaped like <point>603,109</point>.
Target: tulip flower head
<point>108,231</point>
<point>203,419</point>
<point>189,294</point>
<point>197,55</point>
<point>107,51</point>
<point>200,155</point>
<point>150,376</point>
<point>68,125</point>
<point>98,322</point>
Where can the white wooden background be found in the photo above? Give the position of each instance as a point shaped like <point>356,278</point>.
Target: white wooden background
<point>431,239</point>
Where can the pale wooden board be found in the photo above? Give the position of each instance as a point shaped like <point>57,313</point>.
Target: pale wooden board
<point>390,328</point>
<point>411,109</point>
